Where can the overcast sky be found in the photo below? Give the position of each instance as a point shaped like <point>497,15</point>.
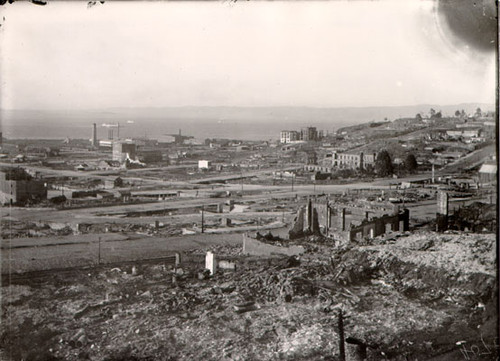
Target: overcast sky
<point>319,54</point>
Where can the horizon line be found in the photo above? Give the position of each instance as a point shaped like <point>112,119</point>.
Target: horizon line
<point>250,106</point>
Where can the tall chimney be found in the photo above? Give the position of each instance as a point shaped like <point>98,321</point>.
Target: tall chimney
<point>94,135</point>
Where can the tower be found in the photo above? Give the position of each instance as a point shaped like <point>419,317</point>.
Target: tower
<point>94,135</point>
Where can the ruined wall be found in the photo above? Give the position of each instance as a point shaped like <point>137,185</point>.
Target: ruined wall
<point>314,218</point>
<point>322,215</point>
<point>324,218</point>
<point>442,212</point>
<point>377,226</point>
<point>298,224</point>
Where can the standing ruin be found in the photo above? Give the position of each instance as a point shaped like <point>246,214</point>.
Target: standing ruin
<point>347,223</point>
<point>442,211</point>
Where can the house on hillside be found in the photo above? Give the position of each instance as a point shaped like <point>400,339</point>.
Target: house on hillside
<point>488,173</point>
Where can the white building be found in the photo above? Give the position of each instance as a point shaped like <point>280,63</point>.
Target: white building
<point>288,136</point>
<point>204,164</point>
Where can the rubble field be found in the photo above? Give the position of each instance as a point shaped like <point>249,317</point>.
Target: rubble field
<point>424,296</point>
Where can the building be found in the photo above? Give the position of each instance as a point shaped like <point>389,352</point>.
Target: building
<point>106,143</point>
<point>18,187</point>
<point>309,134</point>
<point>353,160</point>
<point>179,138</point>
<point>437,134</point>
<point>149,155</point>
<point>488,173</point>
<point>34,151</point>
<point>113,183</point>
<point>464,133</point>
<point>241,147</point>
<point>123,150</point>
<point>288,136</point>
<point>336,160</point>
<point>310,158</point>
<point>204,164</point>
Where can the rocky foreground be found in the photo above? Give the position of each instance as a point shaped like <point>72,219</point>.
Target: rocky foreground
<point>424,296</point>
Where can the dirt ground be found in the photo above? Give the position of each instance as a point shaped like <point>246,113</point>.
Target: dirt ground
<point>418,297</point>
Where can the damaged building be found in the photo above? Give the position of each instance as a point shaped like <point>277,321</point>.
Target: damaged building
<point>347,223</point>
<point>123,150</point>
<point>19,187</point>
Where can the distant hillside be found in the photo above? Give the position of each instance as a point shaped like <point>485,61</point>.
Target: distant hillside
<point>341,116</point>
<point>203,122</point>
<point>346,115</point>
<point>362,126</point>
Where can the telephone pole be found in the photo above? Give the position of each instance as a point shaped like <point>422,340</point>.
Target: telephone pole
<point>99,252</point>
<point>241,178</point>
<point>341,336</point>
<point>202,219</point>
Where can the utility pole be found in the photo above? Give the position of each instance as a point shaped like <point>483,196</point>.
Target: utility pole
<point>293,176</point>
<point>202,219</point>
<point>241,175</point>
<point>341,336</point>
<point>99,252</point>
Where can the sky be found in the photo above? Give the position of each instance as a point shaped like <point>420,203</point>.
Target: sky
<point>66,55</point>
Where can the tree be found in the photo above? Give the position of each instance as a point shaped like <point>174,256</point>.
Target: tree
<point>410,163</point>
<point>418,117</point>
<point>457,114</point>
<point>383,164</point>
<point>438,115</point>
<point>479,113</point>
<point>432,112</point>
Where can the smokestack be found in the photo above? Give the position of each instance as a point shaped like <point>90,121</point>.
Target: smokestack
<point>94,135</point>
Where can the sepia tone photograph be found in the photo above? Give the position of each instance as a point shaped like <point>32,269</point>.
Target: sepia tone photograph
<point>249,180</point>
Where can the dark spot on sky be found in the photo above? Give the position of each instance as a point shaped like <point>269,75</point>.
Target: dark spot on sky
<point>471,22</point>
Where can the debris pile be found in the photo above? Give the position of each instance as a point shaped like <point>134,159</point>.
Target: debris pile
<point>395,297</point>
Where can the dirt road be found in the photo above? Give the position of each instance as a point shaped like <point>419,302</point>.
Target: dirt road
<point>83,250</point>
